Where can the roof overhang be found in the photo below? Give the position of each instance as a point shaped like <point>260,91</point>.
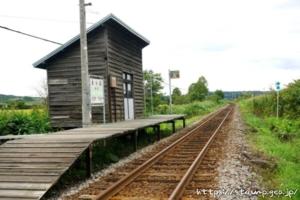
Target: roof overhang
<point>40,63</point>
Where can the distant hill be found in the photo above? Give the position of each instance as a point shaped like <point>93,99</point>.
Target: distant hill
<point>236,94</point>
<point>29,100</point>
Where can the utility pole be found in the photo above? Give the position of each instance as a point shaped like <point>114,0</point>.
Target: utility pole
<point>85,83</point>
<point>277,87</point>
<point>170,91</point>
<point>277,107</point>
<point>151,91</point>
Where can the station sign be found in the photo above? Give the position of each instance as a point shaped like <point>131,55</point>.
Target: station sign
<point>97,91</point>
<point>174,74</point>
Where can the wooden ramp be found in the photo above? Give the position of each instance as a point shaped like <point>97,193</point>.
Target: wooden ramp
<point>31,164</point>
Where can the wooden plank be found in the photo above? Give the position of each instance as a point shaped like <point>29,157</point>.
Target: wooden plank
<point>54,166</point>
<point>36,160</point>
<point>27,179</point>
<point>7,173</point>
<point>49,141</point>
<point>21,193</point>
<point>32,170</point>
<point>23,186</point>
<point>41,150</point>
<point>38,155</point>
<point>47,145</point>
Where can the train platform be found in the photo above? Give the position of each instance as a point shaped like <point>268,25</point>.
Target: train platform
<point>31,164</point>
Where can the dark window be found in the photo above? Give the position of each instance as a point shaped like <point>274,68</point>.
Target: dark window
<point>127,85</point>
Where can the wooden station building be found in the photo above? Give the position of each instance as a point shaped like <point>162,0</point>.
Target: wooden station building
<point>114,53</point>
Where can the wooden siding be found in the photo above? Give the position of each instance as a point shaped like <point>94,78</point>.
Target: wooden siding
<point>112,50</point>
<point>65,99</point>
<point>125,55</point>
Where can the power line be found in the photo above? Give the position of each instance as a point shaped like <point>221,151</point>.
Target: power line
<point>29,35</point>
<point>41,19</point>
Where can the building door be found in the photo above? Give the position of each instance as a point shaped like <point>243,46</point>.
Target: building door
<point>128,96</point>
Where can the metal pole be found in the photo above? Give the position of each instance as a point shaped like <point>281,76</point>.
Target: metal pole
<point>170,91</point>
<point>277,110</point>
<point>85,84</point>
<point>151,90</point>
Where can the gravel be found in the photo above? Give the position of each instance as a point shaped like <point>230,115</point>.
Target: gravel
<point>235,173</point>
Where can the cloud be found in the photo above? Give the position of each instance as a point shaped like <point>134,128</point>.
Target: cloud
<point>287,64</point>
<point>279,63</point>
<point>217,47</point>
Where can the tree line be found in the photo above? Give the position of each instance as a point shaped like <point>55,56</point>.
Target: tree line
<point>198,91</point>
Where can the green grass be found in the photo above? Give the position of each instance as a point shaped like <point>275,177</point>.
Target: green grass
<point>19,122</point>
<point>196,108</point>
<point>278,139</point>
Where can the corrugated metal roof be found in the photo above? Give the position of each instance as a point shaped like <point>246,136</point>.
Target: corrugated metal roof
<point>76,38</point>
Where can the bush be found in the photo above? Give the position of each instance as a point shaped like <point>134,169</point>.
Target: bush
<point>190,110</point>
<point>163,109</point>
<point>289,102</point>
<point>284,129</point>
<point>18,122</point>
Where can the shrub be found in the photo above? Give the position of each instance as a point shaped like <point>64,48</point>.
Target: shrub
<point>163,109</point>
<point>19,122</point>
<point>191,109</point>
<point>289,102</point>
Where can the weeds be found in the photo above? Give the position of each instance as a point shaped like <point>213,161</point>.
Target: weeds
<point>19,122</point>
<point>278,139</point>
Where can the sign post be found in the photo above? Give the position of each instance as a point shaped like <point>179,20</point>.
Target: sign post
<point>277,87</point>
<point>172,75</point>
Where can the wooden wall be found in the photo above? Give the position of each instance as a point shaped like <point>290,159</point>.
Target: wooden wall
<point>112,50</point>
<point>125,55</point>
<point>65,99</point>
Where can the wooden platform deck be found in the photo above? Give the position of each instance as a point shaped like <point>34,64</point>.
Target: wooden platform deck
<point>31,164</point>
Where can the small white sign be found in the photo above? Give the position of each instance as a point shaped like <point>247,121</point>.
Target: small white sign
<point>97,91</point>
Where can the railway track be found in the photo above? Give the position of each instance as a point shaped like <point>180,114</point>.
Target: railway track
<point>172,172</point>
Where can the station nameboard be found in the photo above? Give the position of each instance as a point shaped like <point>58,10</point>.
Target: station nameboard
<point>97,91</point>
<point>174,74</point>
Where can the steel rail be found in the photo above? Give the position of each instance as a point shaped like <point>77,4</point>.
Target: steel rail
<point>177,193</point>
<point>123,182</point>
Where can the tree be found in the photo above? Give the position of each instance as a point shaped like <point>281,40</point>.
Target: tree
<point>42,92</point>
<point>152,82</point>
<point>291,100</point>
<point>220,94</point>
<point>216,96</point>
<point>178,97</point>
<point>198,91</point>
<point>176,92</point>
<point>18,104</point>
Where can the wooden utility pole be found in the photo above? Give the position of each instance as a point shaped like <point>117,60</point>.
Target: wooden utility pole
<point>85,83</point>
<point>170,92</point>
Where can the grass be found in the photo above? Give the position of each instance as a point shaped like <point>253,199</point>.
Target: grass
<point>278,139</point>
<point>19,122</point>
<point>196,108</point>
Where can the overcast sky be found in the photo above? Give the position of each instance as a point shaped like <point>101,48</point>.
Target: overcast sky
<point>235,44</point>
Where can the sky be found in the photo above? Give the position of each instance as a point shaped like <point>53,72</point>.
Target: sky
<point>235,44</point>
